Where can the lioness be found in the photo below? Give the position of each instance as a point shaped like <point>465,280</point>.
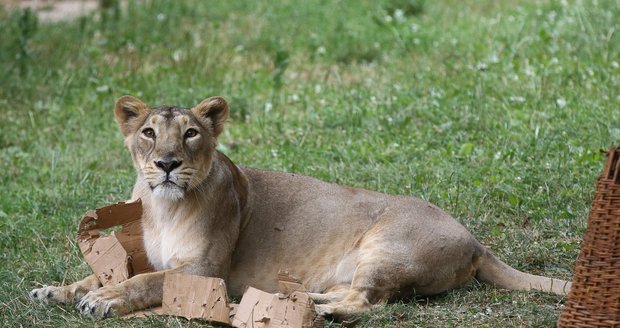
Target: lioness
<point>204,215</point>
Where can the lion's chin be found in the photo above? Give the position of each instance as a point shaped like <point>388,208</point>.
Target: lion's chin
<point>168,192</point>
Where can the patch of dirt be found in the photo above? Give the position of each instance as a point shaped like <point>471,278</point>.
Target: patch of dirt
<point>54,10</point>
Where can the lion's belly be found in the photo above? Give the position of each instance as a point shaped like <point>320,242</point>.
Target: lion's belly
<point>318,267</point>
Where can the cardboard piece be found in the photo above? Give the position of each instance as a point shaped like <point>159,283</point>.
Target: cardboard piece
<point>117,256</point>
<point>292,308</point>
<point>196,297</point>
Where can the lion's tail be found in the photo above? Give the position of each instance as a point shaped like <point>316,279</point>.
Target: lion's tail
<point>493,271</point>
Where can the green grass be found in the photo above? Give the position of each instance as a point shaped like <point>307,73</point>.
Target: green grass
<point>496,111</point>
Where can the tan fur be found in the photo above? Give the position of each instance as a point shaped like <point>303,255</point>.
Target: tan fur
<point>352,248</point>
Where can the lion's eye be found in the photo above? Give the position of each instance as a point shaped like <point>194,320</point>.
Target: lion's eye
<point>149,133</point>
<point>190,133</point>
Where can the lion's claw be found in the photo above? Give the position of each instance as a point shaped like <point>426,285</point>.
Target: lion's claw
<point>102,303</point>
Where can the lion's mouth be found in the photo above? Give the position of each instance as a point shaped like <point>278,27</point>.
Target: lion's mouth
<point>166,184</point>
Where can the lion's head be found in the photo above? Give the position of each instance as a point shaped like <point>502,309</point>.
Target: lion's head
<point>171,147</point>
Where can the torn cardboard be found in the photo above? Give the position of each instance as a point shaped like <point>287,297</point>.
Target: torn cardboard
<point>119,255</point>
<point>196,297</point>
<point>292,308</point>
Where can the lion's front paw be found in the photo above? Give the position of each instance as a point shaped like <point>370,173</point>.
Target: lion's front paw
<point>50,293</point>
<point>104,302</point>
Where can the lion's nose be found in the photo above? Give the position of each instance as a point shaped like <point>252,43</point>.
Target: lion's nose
<point>168,166</point>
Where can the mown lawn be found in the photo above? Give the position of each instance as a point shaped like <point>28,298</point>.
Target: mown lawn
<point>496,111</point>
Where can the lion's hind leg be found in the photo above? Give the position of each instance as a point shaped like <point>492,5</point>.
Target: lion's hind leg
<point>385,268</point>
<point>66,294</point>
<point>371,285</point>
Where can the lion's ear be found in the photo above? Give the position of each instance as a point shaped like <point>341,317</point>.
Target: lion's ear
<point>127,111</point>
<point>214,112</point>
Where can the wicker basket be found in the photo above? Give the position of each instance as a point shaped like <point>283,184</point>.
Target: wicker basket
<point>594,299</point>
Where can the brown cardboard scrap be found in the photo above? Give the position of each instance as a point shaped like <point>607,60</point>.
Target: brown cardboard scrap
<point>120,255</point>
<point>293,308</point>
<point>287,284</point>
<point>193,296</point>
